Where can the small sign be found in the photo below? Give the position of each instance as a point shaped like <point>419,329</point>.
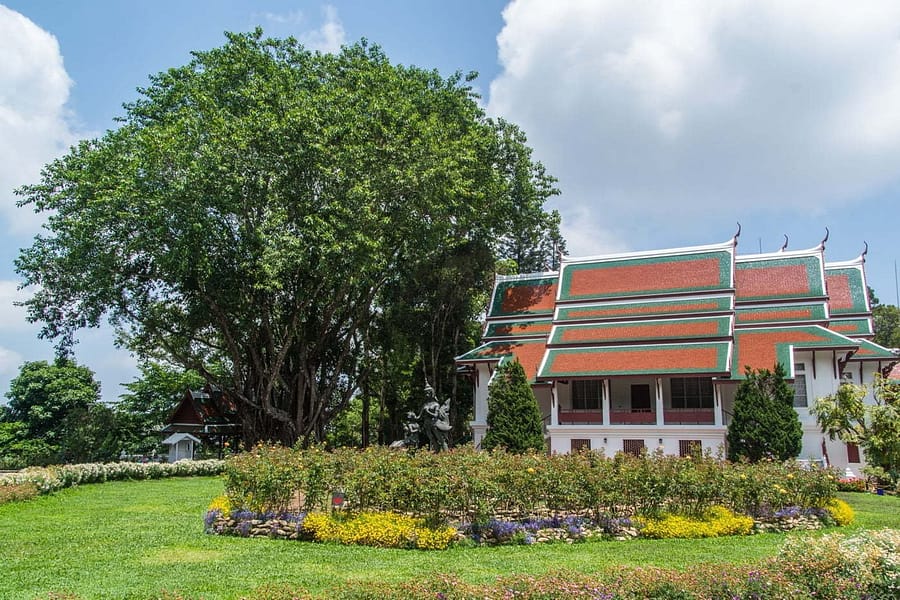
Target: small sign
<point>337,499</point>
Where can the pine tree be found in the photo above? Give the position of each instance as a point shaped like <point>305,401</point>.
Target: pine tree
<point>514,419</point>
<point>765,424</point>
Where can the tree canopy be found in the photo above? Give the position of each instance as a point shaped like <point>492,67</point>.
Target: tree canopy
<point>55,415</point>
<point>262,208</point>
<point>873,427</point>
<point>765,424</point>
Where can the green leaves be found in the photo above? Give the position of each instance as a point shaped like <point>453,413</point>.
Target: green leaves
<point>765,424</point>
<point>257,204</point>
<point>514,419</point>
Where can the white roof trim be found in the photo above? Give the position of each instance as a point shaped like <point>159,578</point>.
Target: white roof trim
<point>728,246</point>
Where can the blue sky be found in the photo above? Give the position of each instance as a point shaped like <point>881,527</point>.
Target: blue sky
<point>666,123</point>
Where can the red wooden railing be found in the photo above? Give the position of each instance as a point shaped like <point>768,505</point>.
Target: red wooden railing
<point>690,416</point>
<point>571,417</point>
<point>641,416</point>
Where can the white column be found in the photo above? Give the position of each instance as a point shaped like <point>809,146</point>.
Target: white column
<point>717,405</point>
<point>554,405</point>
<point>660,419</point>
<point>606,402</point>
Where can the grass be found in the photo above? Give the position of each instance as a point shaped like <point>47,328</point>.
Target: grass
<point>140,539</point>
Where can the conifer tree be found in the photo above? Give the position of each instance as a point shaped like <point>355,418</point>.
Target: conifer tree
<point>765,424</point>
<point>514,419</point>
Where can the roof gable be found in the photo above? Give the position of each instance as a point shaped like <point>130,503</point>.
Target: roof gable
<point>530,294</point>
<point>677,271</point>
<point>779,276</point>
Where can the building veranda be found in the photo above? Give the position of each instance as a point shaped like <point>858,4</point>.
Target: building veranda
<point>646,349</point>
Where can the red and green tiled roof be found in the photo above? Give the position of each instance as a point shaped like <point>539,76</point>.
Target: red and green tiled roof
<point>529,353</point>
<point>516,329</point>
<point>852,327</point>
<point>524,295</point>
<point>872,351</point>
<point>761,348</point>
<point>708,358</point>
<point>647,275</point>
<point>782,313</point>
<point>777,277</point>
<point>846,290</point>
<point>649,308</point>
<point>655,330</point>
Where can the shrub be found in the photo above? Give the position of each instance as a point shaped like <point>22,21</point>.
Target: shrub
<point>717,522</point>
<point>765,424</point>
<point>514,419</point>
<point>378,529</point>
<point>17,492</point>
<point>839,511</point>
<point>50,479</point>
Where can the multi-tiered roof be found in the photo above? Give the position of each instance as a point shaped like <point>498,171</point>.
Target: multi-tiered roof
<point>700,311</point>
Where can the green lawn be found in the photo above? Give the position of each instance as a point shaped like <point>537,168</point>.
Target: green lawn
<point>139,539</point>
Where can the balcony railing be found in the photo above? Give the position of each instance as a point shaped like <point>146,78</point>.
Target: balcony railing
<point>580,417</point>
<point>634,416</point>
<point>689,416</point>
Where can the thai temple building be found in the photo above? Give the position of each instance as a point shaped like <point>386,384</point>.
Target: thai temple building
<point>646,349</point>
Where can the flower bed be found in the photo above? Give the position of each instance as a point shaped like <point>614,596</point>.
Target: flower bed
<point>44,480</point>
<point>465,485</point>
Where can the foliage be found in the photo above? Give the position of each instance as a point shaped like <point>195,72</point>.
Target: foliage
<point>765,424</point>
<point>51,479</point>
<point>873,427</point>
<point>839,511</point>
<point>378,529</point>
<point>717,522</point>
<point>472,486</point>
<point>513,419</point>
<point>260,207</point>
<point>18,451</point>
<point>18,492</point>
<point>55,415</point>
<point>885,322</point>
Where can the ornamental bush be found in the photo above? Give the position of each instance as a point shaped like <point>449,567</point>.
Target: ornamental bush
<point>465,485</point>
<point>718,521</point>
<point>51,479</point>
<point>765,424</point>
<point>513,419</point>
<point>378,529</point>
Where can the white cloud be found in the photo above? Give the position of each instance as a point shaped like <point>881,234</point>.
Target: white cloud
<point>664,112</point>
<point>12,317</point>
<point>330,36</point>
<point>9,362</point>
<point>34,89</point>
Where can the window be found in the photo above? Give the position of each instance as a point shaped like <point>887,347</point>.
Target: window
<point>690,448</point>
<point>800,385</point>
<point>587,394</point>
<point>692,392</point>
<point>640,398</point>
<point>579,445</point>
<point>852,453</point>
<point>633,447</point>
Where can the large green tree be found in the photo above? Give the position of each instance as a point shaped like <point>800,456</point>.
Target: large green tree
<point>253,209</point>
<point>765,424</point>
<point>55,415</point>
<point>873,427</point>
<point>513,419</point>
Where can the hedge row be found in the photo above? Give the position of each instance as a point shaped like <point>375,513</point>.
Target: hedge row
<point>474,486</point>
<point>43,480</point>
